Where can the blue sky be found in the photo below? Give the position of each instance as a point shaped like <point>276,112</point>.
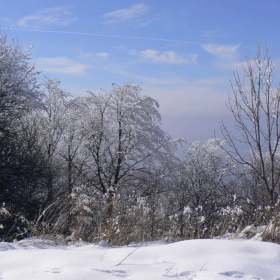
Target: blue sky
<point>182,51</point>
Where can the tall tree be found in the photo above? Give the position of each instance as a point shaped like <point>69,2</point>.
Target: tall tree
<point>19,94</point>
<point>255,107</point>
<point>123,139</point>
<point>52,122</point>
<point>19,89</point>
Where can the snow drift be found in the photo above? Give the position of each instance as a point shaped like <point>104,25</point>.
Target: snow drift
<point>193,259</point>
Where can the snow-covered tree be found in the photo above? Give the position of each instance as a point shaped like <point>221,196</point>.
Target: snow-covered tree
<point>255,107</point>
<point>20,163</point>
<point>123,140</point>
<point>51,122</point>
<point>200,186</point>
<point>19,88</point>
<point>72,141</point>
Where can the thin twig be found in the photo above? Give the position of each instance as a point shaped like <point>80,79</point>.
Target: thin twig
<point>127,256</point>
<point>170,268</point>
<point>203,266</point>
<point>103,254</point>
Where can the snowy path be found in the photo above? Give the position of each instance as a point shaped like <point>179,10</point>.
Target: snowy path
<point>193,259</point>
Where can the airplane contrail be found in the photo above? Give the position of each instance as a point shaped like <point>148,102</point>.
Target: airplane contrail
<point>112,36</point>
<point>103,35</point>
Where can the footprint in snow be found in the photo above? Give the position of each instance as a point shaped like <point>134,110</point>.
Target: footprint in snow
<point>54,270</point>
<point>118,273</point>
<point>239,275</point>
<point>187,275</point>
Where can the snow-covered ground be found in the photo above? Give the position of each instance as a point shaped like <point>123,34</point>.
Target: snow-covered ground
<point>193,259</point>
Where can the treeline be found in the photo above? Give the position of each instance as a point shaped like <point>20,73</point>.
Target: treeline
<point>99,167</point>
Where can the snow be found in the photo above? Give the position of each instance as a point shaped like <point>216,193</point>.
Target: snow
<point>193,259</point>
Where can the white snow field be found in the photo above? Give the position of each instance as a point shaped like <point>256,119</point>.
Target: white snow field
<point>193,259</point>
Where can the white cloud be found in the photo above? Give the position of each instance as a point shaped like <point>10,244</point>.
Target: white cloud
<point>102,54</point>
<point>221,51</point>
<point>94,57</point>
<point>57,16</point>
<point>123,15</point>
<point>62,65</point>
<point>170,57</point>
